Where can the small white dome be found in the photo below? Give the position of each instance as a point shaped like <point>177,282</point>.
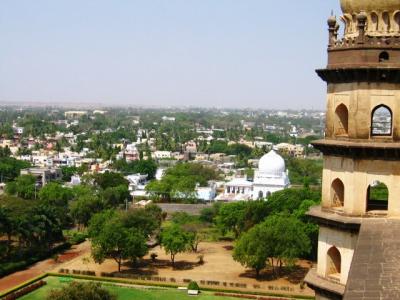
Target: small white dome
<point>272,164</point>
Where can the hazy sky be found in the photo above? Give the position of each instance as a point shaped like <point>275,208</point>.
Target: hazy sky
<point>223,53</point>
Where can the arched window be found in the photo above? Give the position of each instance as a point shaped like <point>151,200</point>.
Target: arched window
<point>268,194</point>
<point>334,262</point>
<point>260,195</point>
<point>381,121</point>
<point>374,21</point>
<point>396,18</point>
<point>383,56</point>
<point>377,196</point>
<point>385,21</point>
<point>342,120</point>
<point>337,193</point>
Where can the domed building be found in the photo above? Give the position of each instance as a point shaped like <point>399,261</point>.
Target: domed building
<point>270,177</point>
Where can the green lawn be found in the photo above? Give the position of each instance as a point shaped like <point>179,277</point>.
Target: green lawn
<point>126,293</point>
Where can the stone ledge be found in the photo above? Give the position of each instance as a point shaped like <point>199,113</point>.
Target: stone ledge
<point>334,219</point>
<point>382,149</point>
<point>317,282</point>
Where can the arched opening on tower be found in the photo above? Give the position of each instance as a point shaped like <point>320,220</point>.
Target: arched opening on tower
<point>334,262</point>
<point>374,21</point>
<point>384,56</point>
<point>385,21</point>
<point>342,120</point>
<point>396,19</point>
<point>381,121</point>
<point>337,193</point>
<point>377,196</point>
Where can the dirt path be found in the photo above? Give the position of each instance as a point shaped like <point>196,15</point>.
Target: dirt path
<point>43,266</point>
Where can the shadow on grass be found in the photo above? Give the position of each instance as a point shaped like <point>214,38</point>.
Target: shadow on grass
<point>294,275</point>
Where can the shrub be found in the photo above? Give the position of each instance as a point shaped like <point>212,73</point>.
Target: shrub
<point>193,286</point>
<point>153,256</point>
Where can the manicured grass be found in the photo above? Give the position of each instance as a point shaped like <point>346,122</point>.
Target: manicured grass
<point>126,293</point>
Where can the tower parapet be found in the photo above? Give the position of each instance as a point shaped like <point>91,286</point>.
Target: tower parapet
<point>382,17</point>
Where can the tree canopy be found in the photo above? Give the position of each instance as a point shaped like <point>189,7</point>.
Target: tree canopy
<point>280,237</point>
<point>175,240</point>
<point>111,238</point>
<point>180,181</point>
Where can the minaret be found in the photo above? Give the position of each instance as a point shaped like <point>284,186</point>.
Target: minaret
<point>361,174</point>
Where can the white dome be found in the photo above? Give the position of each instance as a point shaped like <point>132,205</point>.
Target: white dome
<point>272,164</point>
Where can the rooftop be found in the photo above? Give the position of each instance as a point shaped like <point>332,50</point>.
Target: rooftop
<point>375,269</point>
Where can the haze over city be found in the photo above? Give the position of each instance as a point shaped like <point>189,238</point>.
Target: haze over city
<point>205,53</point>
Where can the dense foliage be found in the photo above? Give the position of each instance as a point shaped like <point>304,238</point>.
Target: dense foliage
<point>180,181</point>
<point>78,290</point>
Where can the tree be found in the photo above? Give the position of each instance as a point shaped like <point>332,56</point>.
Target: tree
<point>141,166</point>
<point>174,240</point>
<point>304,171</point>
<point>287,235</point>
<point>55,195</point>
<point>252,250</point>
<point>142,220</point>
<point>196,234</point>
<point>68,172</point>
<point>85,207</point>
<point>209,214</point>
<point>192,226</point>
<point>116,241</point>
<point>231,217</point>
<point>180,181</point>
<point>281,237</point>
<point>23,186</point>
<point>289,200</point>
<point>115,196</point>
<point>6,225</point>
<point>110,179</point>
<point>10,168</point>
<point>78,290</point>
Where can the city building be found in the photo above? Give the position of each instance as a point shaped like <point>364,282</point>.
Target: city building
<point>43,175</point>
<point>75,114</point>
<point>358,248</point>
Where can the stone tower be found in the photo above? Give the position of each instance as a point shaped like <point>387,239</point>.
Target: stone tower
<point>361,175</point>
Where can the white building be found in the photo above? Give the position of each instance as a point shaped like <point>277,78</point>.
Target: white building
<point>271,176</point>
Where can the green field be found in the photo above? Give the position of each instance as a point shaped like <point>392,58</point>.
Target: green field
<point>126,293</point>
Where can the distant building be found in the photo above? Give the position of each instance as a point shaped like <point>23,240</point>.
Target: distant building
<point>169,119</point>
<point>43,175</point>
<point>162,155</point>
<point>75,114</point>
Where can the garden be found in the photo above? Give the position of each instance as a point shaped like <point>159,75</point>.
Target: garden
<point>121,291</point>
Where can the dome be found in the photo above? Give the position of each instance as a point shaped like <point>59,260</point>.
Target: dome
<point>272,164</point>
<point>356,6</point>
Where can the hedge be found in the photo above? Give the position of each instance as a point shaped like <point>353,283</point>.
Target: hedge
<point>22,285</point>
<point>157,284</point>
<point>172,285</point>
